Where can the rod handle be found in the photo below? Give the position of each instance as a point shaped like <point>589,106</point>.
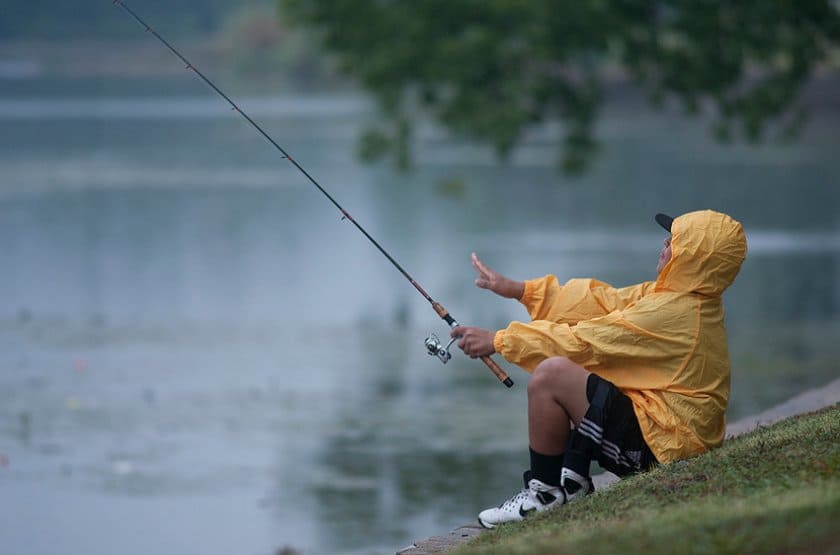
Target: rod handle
<point>496,369</point>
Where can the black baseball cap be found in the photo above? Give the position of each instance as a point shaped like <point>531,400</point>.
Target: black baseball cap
<point>664,220</point>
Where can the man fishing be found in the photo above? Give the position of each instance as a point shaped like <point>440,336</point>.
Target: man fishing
<point>628,377</point>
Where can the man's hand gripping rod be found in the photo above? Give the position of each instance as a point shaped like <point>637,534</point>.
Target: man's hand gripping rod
<point>432,343</point>
<point>435,348</point>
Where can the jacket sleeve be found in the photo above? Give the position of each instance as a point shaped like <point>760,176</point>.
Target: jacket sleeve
<point>577,299</point>
<point>638,336</point>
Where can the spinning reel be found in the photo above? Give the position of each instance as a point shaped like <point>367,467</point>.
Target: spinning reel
<point>435,348</point>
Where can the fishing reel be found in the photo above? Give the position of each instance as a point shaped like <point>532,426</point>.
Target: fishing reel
<point>436,349</point>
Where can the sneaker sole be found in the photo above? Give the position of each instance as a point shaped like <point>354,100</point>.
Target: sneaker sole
<point>485,525</point>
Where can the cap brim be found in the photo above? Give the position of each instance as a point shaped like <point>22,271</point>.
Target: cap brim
<point>664,220</point>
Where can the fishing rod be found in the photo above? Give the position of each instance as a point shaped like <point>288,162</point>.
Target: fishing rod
<point>434,347</point>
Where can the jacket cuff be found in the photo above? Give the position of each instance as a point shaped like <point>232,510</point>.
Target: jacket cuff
<point>499,341</point>
<point>531,289</point>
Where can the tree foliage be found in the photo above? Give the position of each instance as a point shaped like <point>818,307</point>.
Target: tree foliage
<point>491,69</point>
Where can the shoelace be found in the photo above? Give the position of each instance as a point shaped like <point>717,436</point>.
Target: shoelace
<point>515,501</point>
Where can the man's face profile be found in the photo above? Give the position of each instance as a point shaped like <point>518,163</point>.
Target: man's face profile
<point>664,255</point>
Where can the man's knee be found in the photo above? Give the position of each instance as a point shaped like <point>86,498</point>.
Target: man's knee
<point>552,373</point>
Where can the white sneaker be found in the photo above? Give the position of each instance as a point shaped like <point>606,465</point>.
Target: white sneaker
<point>574,485</point>
<point>535,498</point>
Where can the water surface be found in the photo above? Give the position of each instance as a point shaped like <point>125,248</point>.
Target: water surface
<point>198,356</point>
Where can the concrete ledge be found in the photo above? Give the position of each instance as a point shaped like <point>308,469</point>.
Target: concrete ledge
<point>809,401</point>
<point>440,544</point>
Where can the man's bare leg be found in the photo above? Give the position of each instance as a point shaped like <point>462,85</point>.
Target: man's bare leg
<point>556,399</point>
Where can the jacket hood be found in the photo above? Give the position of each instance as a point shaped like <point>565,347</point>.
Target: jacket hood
<point>707,249</point>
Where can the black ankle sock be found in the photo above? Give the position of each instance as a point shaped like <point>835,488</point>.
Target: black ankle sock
<point>546,468</point>
<point>577,461</point>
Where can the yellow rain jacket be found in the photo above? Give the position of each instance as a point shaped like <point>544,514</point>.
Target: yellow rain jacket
<point>662,343</point>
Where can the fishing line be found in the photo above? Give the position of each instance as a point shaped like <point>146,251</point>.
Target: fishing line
<point>433,345</point>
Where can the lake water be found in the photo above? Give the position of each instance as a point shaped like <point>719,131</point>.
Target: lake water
<point>198,356</point>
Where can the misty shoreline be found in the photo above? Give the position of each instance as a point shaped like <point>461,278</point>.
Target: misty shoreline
<point>144,57</point>
<point>103,57</point>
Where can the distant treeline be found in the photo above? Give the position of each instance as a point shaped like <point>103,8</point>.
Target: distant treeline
<point>44,19</point>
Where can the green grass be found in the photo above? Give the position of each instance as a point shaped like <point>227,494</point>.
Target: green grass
<point>774,490</point>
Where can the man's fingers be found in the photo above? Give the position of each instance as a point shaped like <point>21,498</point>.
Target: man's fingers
<point>462,333</point>
<point>487,278</point>
<point>479,265</point>
<point>479,269</point>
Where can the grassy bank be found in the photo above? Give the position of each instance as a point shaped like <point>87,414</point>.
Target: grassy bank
<point>775,490</point>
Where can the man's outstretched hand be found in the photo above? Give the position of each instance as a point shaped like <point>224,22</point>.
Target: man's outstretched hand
<point>478,342</point>
<point>496,282</point>
<point>475,342</point>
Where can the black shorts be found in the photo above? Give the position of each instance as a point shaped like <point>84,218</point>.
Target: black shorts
<point>612,431</point>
